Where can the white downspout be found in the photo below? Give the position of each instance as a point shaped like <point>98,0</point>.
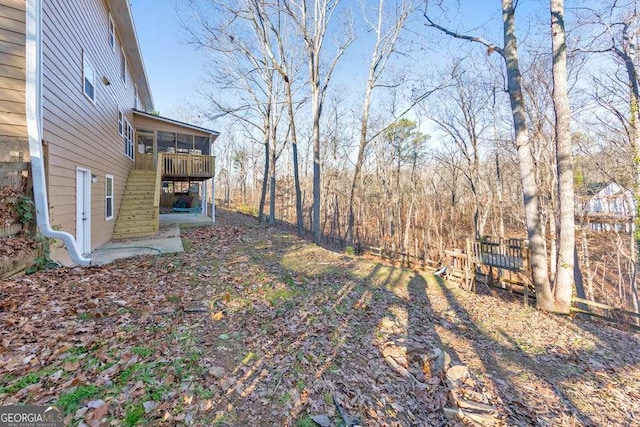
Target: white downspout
<point>34,130</point>
<point>213,188</point>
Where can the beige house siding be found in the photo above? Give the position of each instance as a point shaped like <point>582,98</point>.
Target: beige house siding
<point>77,131</point>
<point>13,127</point>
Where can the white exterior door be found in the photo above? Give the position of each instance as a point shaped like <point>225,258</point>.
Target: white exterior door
<point>83,210</point>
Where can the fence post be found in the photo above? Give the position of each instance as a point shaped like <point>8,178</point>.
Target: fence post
<point>471,265</point>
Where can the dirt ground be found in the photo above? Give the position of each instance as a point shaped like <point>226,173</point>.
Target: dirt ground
<point>253,326</point>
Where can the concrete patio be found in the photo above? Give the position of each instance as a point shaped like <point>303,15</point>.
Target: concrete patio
<point>166,241</point>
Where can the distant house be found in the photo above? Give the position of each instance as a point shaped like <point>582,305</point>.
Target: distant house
<point>609,205</point>
<point>75,101</point>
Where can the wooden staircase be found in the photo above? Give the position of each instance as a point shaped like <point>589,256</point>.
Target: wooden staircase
<point>138,215</point>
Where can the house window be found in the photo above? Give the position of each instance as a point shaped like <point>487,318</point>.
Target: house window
<point>120,124</point>
<point>112,33</point>
<point>88,78</point>
<point>128,140</point>
<point>135,97</point>
<point>123,67</point>
<point>108,197</point>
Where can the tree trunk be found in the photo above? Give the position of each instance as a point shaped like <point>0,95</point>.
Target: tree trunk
<point>634,274</point>
<point>587,257</point>
<point>265,178</point>
<point>360,159</point>
<point>296,167</point>
<point>553,241</point>
<point>564,160</point>
<point>407,230</point>
<point>272,180</point>
<point>544,297</point>
<point>635,138</point>
<point>316,110</point>
<point>577,274</point>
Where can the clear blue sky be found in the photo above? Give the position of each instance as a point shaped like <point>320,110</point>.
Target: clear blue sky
<point>174,68</point>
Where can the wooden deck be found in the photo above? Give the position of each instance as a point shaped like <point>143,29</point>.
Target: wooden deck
<point>179,167</point>
<point>187,166</point>
<point>507,254</point>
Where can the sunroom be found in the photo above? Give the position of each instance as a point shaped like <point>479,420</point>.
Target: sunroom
<point>182,152</point>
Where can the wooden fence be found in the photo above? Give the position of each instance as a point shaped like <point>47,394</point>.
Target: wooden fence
<point>465,267</point>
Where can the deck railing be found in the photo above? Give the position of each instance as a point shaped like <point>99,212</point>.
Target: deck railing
<point>508,254</point>
<point>179,165</point>
<point>156,195</point>
<point>145,162</point>
<point>188,165</point>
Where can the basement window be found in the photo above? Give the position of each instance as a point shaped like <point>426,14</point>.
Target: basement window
<point>108,197</point>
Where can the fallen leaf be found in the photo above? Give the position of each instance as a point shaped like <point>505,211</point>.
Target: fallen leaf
<point>101,411</point>
<point>217,371</point>
<point>95,403</point>
<point>149,406</point>
<point>321,420</point>
<point>71,365</point>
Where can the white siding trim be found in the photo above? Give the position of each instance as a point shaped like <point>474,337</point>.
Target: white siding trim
<point>108,199</point>
<point>34,130</point>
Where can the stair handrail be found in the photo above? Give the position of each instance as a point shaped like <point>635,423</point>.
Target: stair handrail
<point>158,186</point>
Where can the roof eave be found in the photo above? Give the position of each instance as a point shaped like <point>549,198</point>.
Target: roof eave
<point>214,134</point>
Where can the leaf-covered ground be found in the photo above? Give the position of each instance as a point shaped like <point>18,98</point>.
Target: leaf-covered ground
<point>253,326</point>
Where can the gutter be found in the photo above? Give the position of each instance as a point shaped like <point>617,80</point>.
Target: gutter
<point>34,130</point>
<point>213,186</point>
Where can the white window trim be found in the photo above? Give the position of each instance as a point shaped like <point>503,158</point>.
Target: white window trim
<point>121,119</point>
<point>123,69</point>
<point>108,199</point>
<point>128,140</point>
<point>112,33</point>
<point>87,61</point>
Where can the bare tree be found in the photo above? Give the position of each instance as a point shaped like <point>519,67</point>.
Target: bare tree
<point>617,29</point>
<point>509,51</point>
<point>243,81</point>
<point>564,161</point>
<point>282,53</point>
<point>387,27</point>
<point>460,116</point>
<point>240,164</point>
<point>311,22</point>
